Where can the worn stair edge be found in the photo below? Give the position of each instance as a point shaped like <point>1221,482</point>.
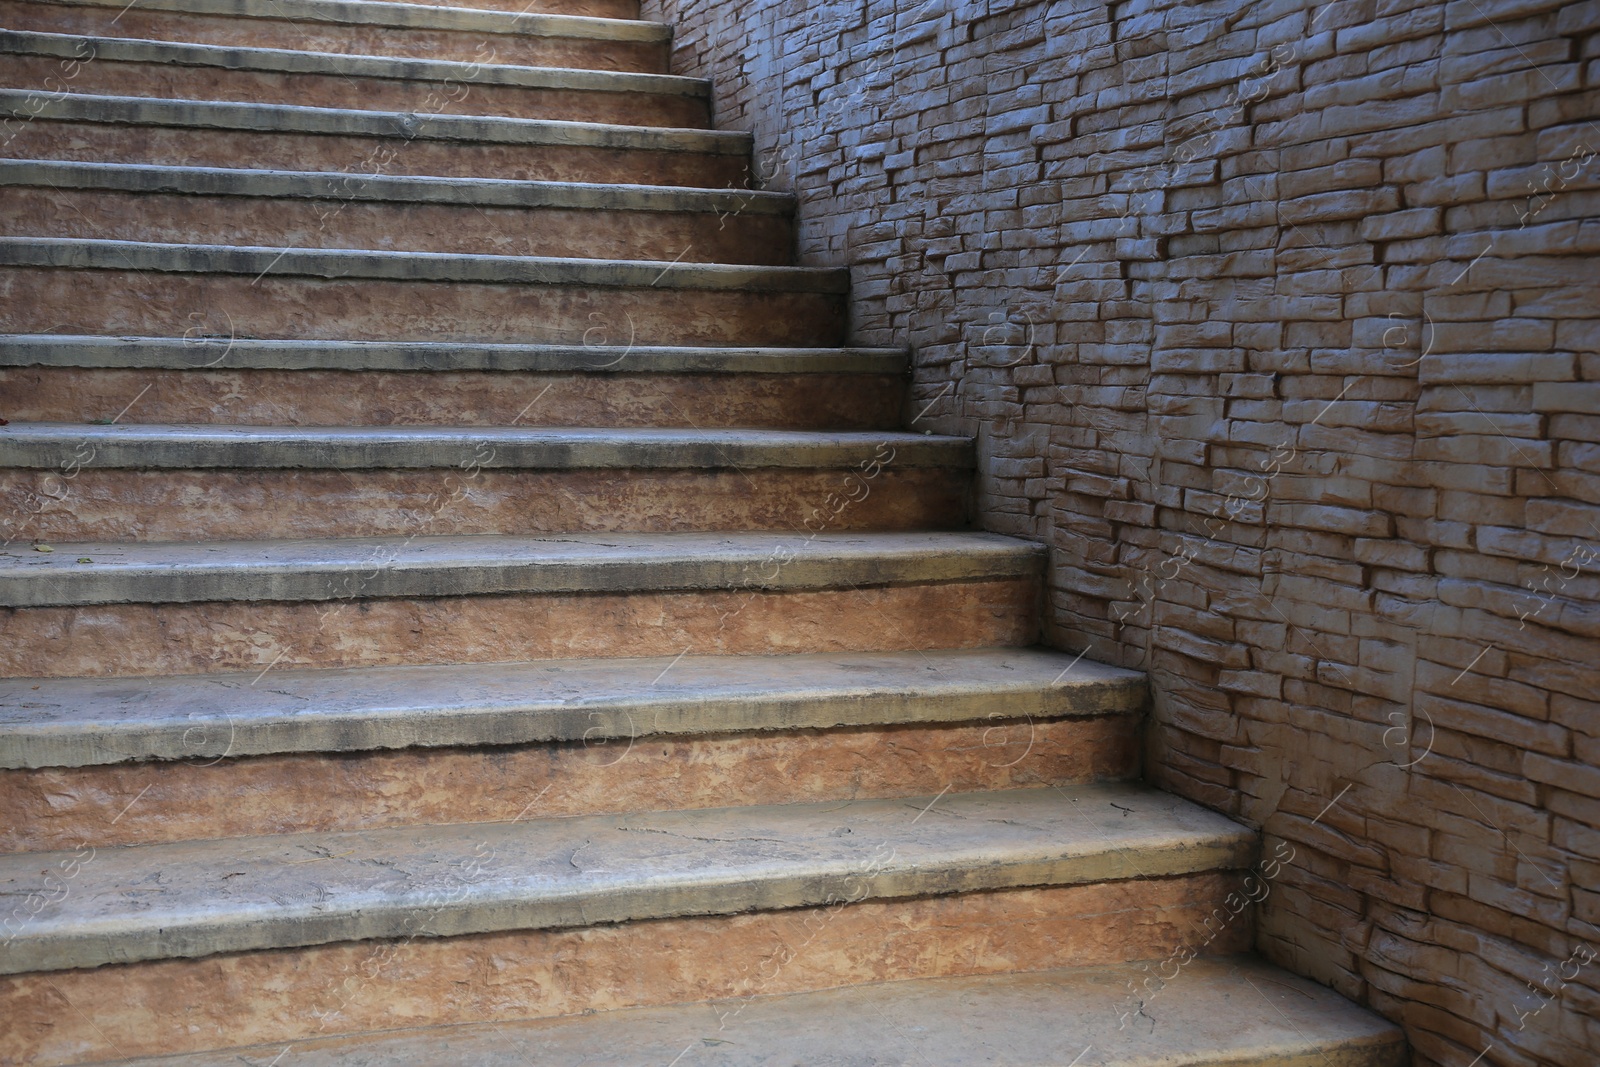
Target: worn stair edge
<point>47,445</point>
<point>1220,1012</point>
<point>77,722</point>
<point>192,899</point>
<point>411,17</point>
<point>321,185</point>
<point>386,567</point>
<point>297,118</point>
<point>352,264</point>
<point>394,68</point>
<point>221,353</point>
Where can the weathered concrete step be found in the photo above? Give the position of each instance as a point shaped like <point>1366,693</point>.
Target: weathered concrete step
<point>322,751</point>
<point>202,898</point>
<point>257,998</point>
<point>184,483</point>
<point>887,595</point>
<point>364,27</point>
<point>1229,1012</point>
<point>126,66</point>
<point>52,445</point>
<point>220,133</point>
<point>208,205</point>
<point>332,570</point>
<point>109,287</point>
<point>75,722</point>
<point>55,378</point>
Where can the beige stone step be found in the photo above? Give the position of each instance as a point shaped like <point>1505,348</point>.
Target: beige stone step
<point>171,483</point>
<point>280,938</point>
<point>1229,1012</point>
<point>124,66</point>
<point>125,287</point>
<point>201,898</point>
<point>52,377</point>
<point>217,756</point>
<point>212,205</point>
<point>217,133</point>
<point>237,606</point>
<point>362,27</point>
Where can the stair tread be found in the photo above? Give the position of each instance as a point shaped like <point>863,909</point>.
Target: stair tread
<point>412,16</point>
<point>178,353</point>
<point>149,446</point>
<point>1228,1012</point>
<point>349,263</point>
<point>63,722</point>
<point>399,188</point>
<point>203,897</point>
<point>333,569</point>
<point>295,61</point>
<point>411,126</point>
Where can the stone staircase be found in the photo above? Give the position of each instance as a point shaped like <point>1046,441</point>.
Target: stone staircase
<point>462,606</point>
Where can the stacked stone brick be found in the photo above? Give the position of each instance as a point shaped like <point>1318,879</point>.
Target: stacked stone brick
<point>1280,323</point>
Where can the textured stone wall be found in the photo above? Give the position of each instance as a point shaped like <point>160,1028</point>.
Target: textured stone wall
<point>1277,321</point>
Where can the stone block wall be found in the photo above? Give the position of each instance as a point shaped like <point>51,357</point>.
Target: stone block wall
<point>1279,322</point>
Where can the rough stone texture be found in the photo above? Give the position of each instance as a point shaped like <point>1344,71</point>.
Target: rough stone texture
<point>1275,320</point>
<point>151,639</point>
<point>950,1023</point>
<point>67,809</point>
<point>85,721</point>
<point>199,898</point>
<point>245,998</point>
<point>420,31</point>
<point>170,505</point>
<point>615,397</point>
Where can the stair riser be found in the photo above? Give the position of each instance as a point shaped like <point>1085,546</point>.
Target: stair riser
<point>467,398</point>
<point>63,809</point>
<point>262,997</point>
<point>411,227</point>
<point>173,146</point>
<point>240,505</point>
<point>467,46</point>
<point>148,303</point>
<point>154,639</point>
<point>459,97</point>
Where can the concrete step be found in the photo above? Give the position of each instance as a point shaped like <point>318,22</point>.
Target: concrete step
<point>895,881</point>
<point>235,606</point>
<point>1229,1012</point>
<point>364,27</point>
<point>220,133</point>
<point>364,143</point>
<point>127,287</point>
<point>173,483</point>
<point>209,205</point>
<point>200,898</point>
<point>56,378</point>
<point>315,751</point>
<point>126,66</point>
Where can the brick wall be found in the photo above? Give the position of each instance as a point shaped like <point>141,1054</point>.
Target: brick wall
<point>1277,321</point>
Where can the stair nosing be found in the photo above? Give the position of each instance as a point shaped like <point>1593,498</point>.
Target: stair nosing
<point>82,722</point>
<point>395,188</point>
<point>391,68</point>
<point>744,859</point>
<point>335,569</point>
<point>194,446</point>
<point>432,357</point>
<point>415,16</point>
<point>348,264</point>
<point>104,109</point>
